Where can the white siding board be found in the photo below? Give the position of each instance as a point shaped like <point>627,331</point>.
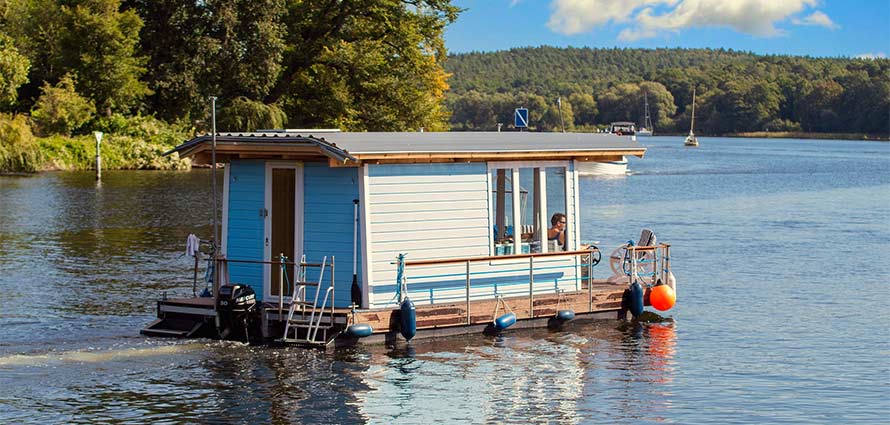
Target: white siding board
<point>430,235</point>
<point>400,218</point>
<point>402,227</point>
<point>427,242</point>
<point>432,189</point>
<point>478,206</point>
<point>384,181</point>
<point>427,198</point>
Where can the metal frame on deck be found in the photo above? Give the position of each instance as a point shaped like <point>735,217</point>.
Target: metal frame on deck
<point>531,263</point>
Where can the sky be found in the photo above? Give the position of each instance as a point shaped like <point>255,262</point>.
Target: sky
<point>820,28</point>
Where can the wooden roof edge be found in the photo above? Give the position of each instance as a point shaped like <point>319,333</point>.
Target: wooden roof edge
<point>446,156</point>
<point>199,144</point>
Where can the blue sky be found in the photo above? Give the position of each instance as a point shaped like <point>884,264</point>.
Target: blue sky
<point>795,27</point>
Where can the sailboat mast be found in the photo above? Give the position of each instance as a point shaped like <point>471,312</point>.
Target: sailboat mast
<point>648,121</point>
<point>692,124</point>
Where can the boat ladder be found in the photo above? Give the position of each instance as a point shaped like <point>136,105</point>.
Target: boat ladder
<point>317,327</point>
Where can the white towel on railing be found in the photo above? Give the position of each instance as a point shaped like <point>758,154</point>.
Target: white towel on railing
<point>192,245</point>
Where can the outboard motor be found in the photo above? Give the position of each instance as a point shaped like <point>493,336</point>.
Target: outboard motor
<point>235,308</point>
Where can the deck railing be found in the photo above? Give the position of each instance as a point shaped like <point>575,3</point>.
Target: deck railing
<point>585,260</point>
<point>652,263</point>
<point>222,270</point>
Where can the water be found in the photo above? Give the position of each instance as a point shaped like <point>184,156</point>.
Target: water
<point>779,248</point>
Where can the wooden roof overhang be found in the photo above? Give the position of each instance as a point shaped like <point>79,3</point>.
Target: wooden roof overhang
<point>316,149</point>
<point>442,157</point>
<point>230,147</point>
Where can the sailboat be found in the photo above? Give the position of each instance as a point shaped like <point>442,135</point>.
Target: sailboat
<point>691,140</point>
<point>646,130</point>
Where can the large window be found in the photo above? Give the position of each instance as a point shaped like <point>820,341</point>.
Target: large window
<point>524,202</point>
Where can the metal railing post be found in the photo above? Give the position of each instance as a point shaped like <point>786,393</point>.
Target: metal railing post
<point>531,287</point>
<point>333,292</point>
<point>281,270</point>
<point>590,281</point>
<point>468,292</point>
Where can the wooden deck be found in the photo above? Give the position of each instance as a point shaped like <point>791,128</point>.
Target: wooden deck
<point>605,297</point>
<point>602,300</point>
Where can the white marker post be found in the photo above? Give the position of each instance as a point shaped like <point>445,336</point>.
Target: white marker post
<point>98,135</point>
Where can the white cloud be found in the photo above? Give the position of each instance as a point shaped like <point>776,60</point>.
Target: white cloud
<point>818,19</point>
<point>878,55</point>
<point>649,18</point>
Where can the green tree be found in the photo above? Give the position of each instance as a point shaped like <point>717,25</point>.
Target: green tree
<point>37,28</point>
<point>557,117</point>
<point>661,104</point>
<point>13,70</point>
<point>93,39</point>
<point>364,64</point>
<point>61,110</point>
<point>865,102</point>
<point>243,113</point>
<point>100,47</point>
<point>620,103</point>
<point>817,109</point>
<point>585,108</point>
<point>475,112</point>
<point>230,49</point>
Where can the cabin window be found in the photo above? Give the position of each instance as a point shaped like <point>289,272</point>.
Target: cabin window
<point>555,178</point>
<point>523,201</point>
<point>502,191</point>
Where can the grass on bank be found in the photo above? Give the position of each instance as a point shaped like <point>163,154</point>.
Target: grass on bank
<point>134,143</point>
<point>805,135</point>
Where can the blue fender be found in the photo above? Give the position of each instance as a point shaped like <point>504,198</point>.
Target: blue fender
<point>565,315</point>
<point>635,302</point>
<point>408,319</point>
<point>359,330</point>
<point>504,321</point>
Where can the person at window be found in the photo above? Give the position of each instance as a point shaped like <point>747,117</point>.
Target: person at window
<point>557,231</point>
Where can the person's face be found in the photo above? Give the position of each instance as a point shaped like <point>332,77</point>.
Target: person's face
<point>561,224</point>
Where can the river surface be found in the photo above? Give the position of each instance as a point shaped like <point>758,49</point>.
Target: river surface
<point>780,249</point>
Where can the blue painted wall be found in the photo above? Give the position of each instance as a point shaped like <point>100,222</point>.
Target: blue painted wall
<point>328,225</point>
<point>247,181</point>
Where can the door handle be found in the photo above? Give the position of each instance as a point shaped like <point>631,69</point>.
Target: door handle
<point>267,241</point>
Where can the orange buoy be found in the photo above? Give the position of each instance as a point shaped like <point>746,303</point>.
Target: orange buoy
<point>662,297</point>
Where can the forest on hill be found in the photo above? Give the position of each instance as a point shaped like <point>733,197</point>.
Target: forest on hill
<point>736,92</point>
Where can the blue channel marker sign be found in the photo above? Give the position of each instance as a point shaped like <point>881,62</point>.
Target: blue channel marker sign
<point>520,118</point>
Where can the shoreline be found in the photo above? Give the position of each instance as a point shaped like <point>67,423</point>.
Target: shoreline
<point>52,165</point>
<point>789,135</point>
<point>805,135</point>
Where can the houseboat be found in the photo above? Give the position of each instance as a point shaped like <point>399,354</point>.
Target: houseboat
<point>333,238</point>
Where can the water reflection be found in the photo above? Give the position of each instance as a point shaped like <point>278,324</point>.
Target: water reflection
<point>536,376</point>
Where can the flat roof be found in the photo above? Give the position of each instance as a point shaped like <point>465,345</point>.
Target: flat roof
<point>428,146</point>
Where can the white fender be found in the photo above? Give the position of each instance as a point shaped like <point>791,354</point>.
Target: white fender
<point>672,282</point>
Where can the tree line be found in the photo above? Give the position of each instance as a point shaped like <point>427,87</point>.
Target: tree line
<point>735,91</point>
<point>353,64</point>
<point>136,67</point>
